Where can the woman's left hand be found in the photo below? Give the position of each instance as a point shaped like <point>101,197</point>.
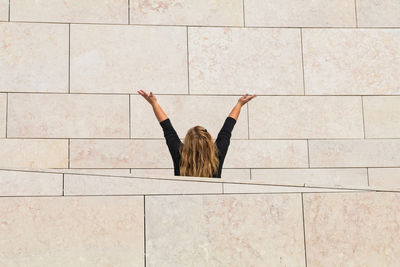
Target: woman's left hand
<point>151,98</point>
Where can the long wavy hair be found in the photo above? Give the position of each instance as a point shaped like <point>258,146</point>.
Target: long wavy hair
<point>199,154</point>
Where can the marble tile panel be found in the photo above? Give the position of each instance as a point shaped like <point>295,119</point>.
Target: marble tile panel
<point>351,61</point>
<point>68,116</point>
<point>34,153</point>
<point>187,12</point>
<point>4,10</point>
<point>72,11</point>
<point>252,188</point>
<point>245,60</point>
<point>382,116</point>
<point>298,117</point>
<point>355,153</point>
<point>19,183</point>
<point>298,13</point>
<point>127,58</point>
<point>33,57</point>
<point>382,13</point>
<point>210,230</point>
<point>328,177</point>
<point>384,177</point>
<point>352,229</point>
<point>236,174</point>
<point>72,231</point>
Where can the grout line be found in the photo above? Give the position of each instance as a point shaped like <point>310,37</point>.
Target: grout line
<point>187,58</point>
<point>250,174</point>
<point>6,112</point>
<point>69,58</point>
<point>355,11</point>
<point>222,185</point>
<point>244,18</point>
<point>63,184</point>
<point>144,226</point>
<point>304,229</point>
<point>129,11</point>
<point>130,122</point>
<point>212,26</point>
<point>308,153</point>
<point>368,176</point>
<point>362,110</point>
<point>69,165</point>
<point>302,59</point>
<point>248,123</point>
<point>9,10</point>
<point>204,95</point>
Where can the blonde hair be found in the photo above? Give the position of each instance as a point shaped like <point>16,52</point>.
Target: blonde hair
<point>199,154</point>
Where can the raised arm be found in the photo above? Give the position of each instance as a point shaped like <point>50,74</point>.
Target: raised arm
<point>236,109</point>
<point>158,111</point>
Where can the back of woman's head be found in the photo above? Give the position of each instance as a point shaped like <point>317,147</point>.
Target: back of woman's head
<point>199,154</point>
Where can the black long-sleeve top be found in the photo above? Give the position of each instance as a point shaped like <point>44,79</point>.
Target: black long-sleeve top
<point>222,142</point>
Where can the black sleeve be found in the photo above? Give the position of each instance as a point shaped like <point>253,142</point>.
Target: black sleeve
<point>224,136</point>
<point>171,138</point>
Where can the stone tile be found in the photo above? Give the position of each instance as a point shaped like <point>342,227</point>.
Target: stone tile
<point>206,230</point>
<point>103,185</point>
<point>285,117</point>
<point>267,154</point>
<point>383,13</point>
<point>33,57</point>
<point>68,116</point>
<point>384,177</point>
<point>3,112</point>
<point>363,61</point>
<point>297,13</point>
<point>188,12</point>
<point>186,112</point>
<point>34,153</point>
<point>355,153</point>
<point>236,60</point>
<point>357,229</point>
<point>251,188</point>
<point>75,11</point>
<point>382,116</point>
<point>235,174</point>
<point>124,153</point>
<point>18,183</point>
<point>72,231</point>
<point>4,10</point>
<point>127,58</point>
<point>328,177</point>
<point>140,154</point>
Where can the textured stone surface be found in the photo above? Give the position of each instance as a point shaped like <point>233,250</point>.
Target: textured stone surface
<point>187,12</point>
<point>382,13</point>
<point>357,229</point>
<point>87,11</point>
<point>245,60</point>
<point>72,231</point>
<point>4,10</point>
<point>298,13</point>
<point>351,61</point>
<point>221,229</point>
<point>3,112</point>
<point>127,58</point>
<point>68,116</point>
<point>33,57</point>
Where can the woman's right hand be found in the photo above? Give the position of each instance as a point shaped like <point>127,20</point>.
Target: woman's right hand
<point>244,99</point>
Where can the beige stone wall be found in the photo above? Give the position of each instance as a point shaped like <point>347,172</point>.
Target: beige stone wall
<point>305,158</point>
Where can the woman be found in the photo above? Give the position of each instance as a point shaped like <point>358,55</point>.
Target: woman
<point>198,155</point>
